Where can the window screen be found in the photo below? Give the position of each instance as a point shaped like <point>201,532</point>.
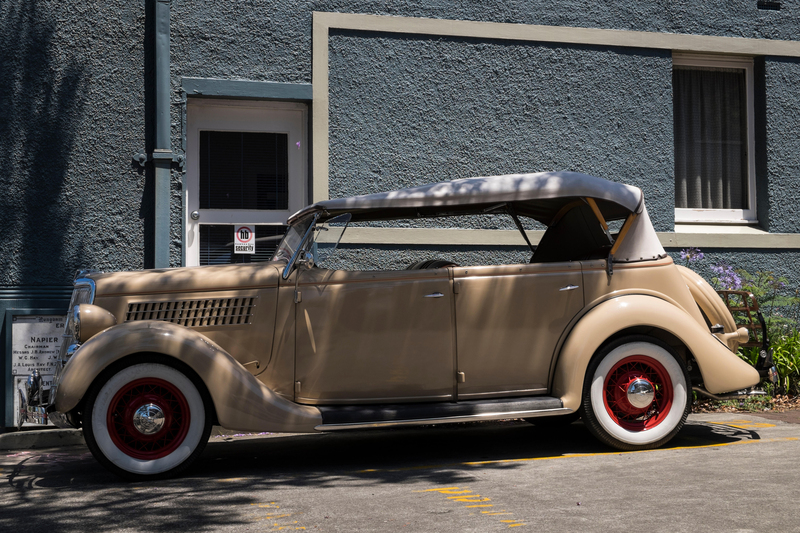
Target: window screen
<point>710,121</point>
<point>216,244</point>
<point>244,170</point>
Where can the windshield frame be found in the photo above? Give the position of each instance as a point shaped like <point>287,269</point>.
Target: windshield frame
<point>292,245</point>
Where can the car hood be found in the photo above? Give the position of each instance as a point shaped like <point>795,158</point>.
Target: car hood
<point>187,279</point>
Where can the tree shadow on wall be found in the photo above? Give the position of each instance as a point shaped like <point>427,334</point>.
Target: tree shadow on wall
<point>42,96</point>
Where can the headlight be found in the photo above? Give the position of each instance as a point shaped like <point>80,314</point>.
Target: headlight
<point>88,320</point>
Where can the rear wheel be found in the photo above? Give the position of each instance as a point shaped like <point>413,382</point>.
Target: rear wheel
<point>636,394</point>
<point>147,420</point>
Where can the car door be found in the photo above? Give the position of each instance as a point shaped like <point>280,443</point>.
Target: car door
<point>508,321</point>
<point>374,336</point>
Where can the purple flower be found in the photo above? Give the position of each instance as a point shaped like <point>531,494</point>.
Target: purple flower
<point>778,285</point>
<point>690,255</point>
<point>727,277</point>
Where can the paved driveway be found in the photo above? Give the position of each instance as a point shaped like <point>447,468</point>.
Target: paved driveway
<point>725,472</point>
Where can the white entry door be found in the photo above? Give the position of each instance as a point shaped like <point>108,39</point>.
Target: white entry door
<point>246,165</point>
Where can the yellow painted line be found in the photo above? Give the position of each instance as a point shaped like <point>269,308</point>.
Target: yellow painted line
<point>275,517</point>
<point>231,479</point>
<point>516,525</point>
<point>744,424</point>
<point>448,490</point>
<point>571,456</point>
<point>748,441</point>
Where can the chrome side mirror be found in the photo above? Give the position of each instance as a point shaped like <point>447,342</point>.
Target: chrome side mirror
<point>306,260</point>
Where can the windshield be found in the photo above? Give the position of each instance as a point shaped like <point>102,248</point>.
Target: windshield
<point>292,240</point>
<point>328,236</point>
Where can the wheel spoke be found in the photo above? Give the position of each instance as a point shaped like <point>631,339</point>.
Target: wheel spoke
<point>623,374</point>
<point>137,394</point>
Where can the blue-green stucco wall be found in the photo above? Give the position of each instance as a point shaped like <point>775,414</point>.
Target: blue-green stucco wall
<point>407,110</point>
<point>782,88</point>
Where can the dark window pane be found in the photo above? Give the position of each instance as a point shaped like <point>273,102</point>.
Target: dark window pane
<point>216,244</point>
<point>710,121</point>
<point>244,170</point>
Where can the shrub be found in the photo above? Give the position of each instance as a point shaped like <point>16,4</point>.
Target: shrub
<point>780,307</point>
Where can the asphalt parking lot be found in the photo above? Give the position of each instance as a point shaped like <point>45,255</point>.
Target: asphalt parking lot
<point>724,472</point>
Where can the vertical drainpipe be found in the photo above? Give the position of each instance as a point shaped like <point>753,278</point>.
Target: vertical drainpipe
<point>162,153</point>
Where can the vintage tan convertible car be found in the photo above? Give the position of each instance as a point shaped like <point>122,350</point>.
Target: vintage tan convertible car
<point>600,323</point>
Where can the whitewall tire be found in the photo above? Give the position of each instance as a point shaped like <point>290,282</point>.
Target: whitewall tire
<point>637,394</point>
<point>146,420</point>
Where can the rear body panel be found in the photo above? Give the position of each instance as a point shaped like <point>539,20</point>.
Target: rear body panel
<point>509,319</point>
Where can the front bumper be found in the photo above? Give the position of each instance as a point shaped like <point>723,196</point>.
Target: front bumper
<point>37,412</point>
<point>37,404</point>
<point>33,400</point>
<point>33,414</point>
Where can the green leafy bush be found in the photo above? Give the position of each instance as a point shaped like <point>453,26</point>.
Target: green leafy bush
<point>780,307</point>
<point>785,357</point>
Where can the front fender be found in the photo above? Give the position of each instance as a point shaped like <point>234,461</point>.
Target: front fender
<point>241,401</point>
<point>721,369</point>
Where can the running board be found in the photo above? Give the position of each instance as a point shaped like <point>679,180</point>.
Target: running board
<point>336,418</point>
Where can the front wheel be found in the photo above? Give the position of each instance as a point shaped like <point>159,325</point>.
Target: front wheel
<point>147,420</point>
<point>636,394</point>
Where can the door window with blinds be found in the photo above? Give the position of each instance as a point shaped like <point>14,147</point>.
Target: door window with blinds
<point>246,165</point>
<point>714,139</point>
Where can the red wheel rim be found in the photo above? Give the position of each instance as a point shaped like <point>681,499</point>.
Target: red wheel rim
<point>615,395</point>
<point>136,394</point>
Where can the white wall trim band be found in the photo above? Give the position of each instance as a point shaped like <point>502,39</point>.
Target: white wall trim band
<point>493,237</point>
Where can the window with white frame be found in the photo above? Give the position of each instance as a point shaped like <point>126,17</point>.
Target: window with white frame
<point>714,138</point>
<point>246,166</point>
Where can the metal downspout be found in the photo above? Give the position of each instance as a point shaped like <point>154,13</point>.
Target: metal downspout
<point>162,152</point>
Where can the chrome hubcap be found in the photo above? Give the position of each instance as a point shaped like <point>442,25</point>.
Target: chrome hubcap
<point>148,419</point>
<point>640,393</point>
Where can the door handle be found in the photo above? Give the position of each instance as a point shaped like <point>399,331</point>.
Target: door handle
<point>434,295</point>
<point>568,288</point>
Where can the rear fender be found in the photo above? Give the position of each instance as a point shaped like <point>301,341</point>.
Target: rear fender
<point>722,370</point>
<point>713,307</point>
<point>241,401</point>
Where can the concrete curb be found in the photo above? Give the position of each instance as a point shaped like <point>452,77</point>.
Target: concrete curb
<point>57,437</point>
<point>45,438</point>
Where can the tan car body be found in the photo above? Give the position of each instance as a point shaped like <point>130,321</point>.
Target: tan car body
<point>250,372</point>
<point>599,323</point>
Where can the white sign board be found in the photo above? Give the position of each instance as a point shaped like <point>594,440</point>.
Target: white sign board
<point>244,240</point>
<point>35,342</point>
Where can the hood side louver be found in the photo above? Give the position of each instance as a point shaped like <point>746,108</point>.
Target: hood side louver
<point>196,313</point>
